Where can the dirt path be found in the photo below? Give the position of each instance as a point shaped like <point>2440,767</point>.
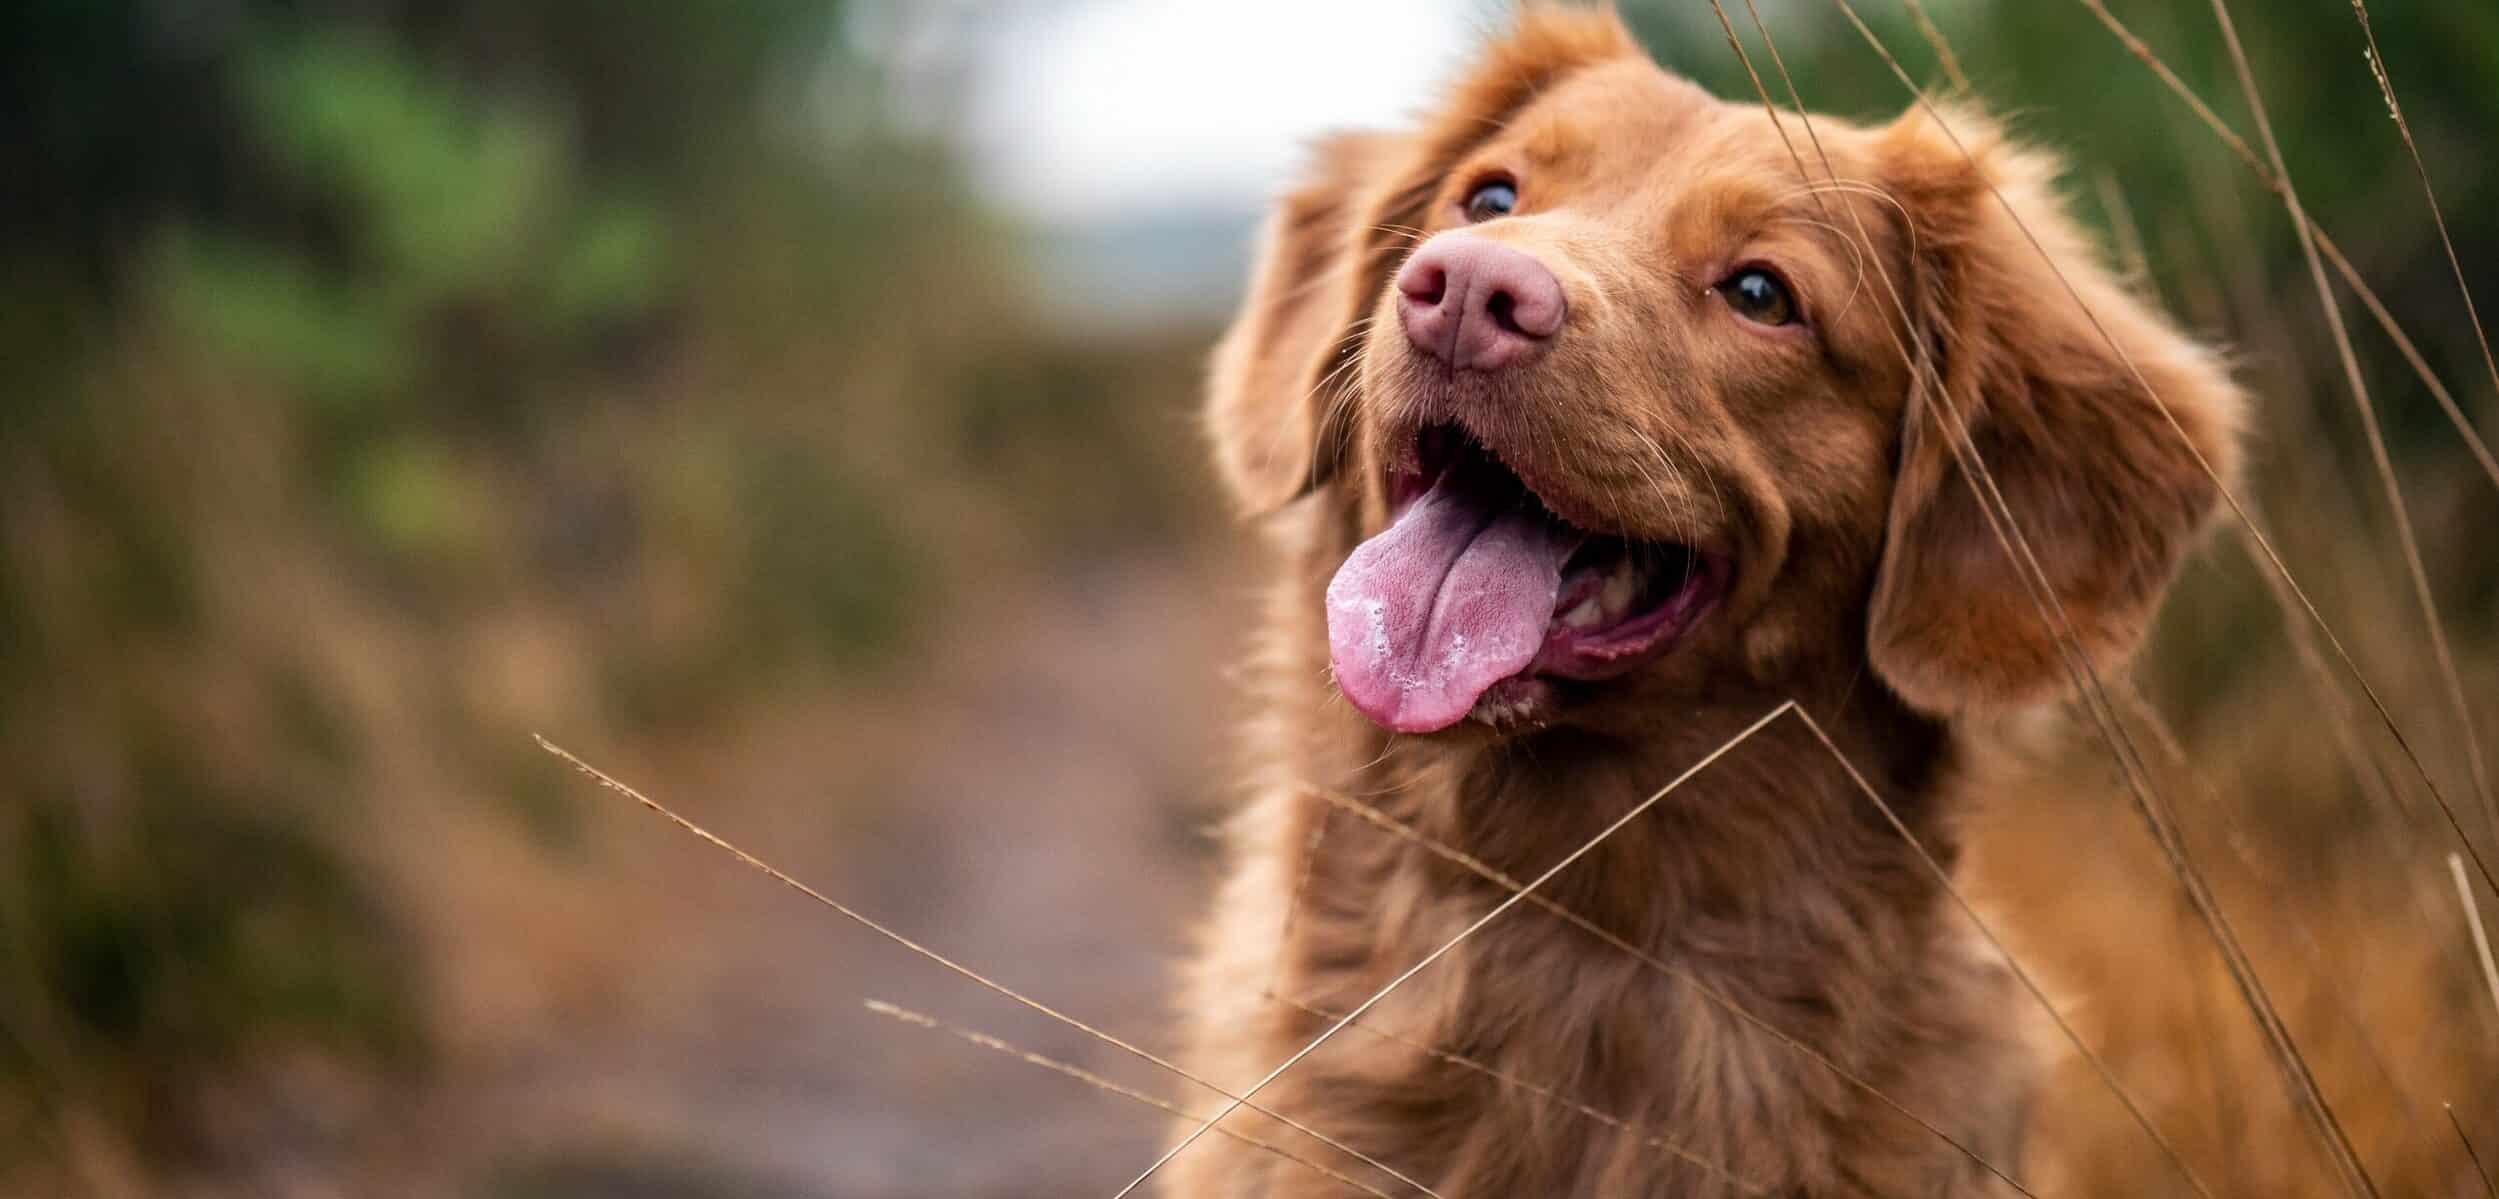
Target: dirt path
<point>1032,802</point>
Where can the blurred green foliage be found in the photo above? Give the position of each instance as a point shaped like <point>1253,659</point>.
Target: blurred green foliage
<point>347,346</point>
<point>202,928</point>
<point>351,285</point>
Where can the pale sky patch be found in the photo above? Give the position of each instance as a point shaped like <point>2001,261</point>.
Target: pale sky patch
<point>1090,111</point>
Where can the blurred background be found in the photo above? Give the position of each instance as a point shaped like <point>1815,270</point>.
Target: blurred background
<point>787,405</point>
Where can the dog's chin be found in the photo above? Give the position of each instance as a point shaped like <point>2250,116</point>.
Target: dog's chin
<point>1492,602</point>
<point>1519,704</point>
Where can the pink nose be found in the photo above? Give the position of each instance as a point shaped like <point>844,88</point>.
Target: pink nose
<point>1477,304</point>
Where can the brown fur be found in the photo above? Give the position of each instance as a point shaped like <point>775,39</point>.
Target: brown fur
<point>1869,589</point>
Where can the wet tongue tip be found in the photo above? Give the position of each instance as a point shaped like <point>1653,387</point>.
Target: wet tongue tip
<point>1454,596</point>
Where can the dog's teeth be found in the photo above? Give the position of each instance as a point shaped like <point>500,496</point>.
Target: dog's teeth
<point>1583,615</point>
<point>1619,590</point>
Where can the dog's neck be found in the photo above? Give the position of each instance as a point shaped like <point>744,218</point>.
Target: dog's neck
<point>1743,839</point>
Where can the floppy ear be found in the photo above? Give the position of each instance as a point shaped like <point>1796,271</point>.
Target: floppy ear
<point>2104,491</point>
<point>1327,255</point>
<point>1263,407</point>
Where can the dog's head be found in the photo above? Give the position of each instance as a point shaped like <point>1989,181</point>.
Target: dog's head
<point>1626,389</point>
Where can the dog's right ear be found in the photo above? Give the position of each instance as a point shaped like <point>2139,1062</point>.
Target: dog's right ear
<point>1272,427</point>
<point>2105,433</point>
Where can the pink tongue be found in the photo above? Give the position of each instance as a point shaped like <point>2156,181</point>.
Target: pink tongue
<point>1453,597</point>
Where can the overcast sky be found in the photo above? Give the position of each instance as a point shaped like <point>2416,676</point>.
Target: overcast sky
<point>1103,108</point>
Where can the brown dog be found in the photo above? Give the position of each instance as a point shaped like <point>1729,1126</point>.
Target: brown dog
<point>1591,420</point>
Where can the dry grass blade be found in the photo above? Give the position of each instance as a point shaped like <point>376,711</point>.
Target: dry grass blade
<point>2473,920</point>
<point>1539,1090</point>
<point>1777,121</point>
<point>2130,253</point>
<point>1944,57</point>
<point>2351,275</point>
<point>2159,820</point>
<point>2438,218</point>
<point>2277,892</point>
<point>1712,994</point>
<point>2488,1187</point>
<point>1498,911</point>
<point>2022,975</point>
<point>2300,1079</point>
<point>2366,770</point>
<point>1099,1083</point>
<point>2440,651</point>
<point>2473,442</point>
<point>1293,906</point>
<point>777,875</point>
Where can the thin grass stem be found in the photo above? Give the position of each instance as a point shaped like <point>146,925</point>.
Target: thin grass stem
<point>2351,275</point>
<point>1709,992</point>
<point>1548,1094</point>
<point>2489,1188</point>
<point>2473,920</point>
<point>700,833</point>
<point>1089,1078</point>
<point>2405,535</point>
<point>2294,1065</point>
<point>1498,911</point>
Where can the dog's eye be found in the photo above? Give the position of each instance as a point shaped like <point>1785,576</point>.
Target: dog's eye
<point>1490,200</point>
<point>1759,297</point>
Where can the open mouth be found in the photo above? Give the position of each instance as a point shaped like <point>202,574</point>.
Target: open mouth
<point>1476,591</point>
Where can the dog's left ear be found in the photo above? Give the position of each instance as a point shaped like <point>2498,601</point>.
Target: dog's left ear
<point>1274,404</point>
<point>1265,408</point>
<point>2103,490</point>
